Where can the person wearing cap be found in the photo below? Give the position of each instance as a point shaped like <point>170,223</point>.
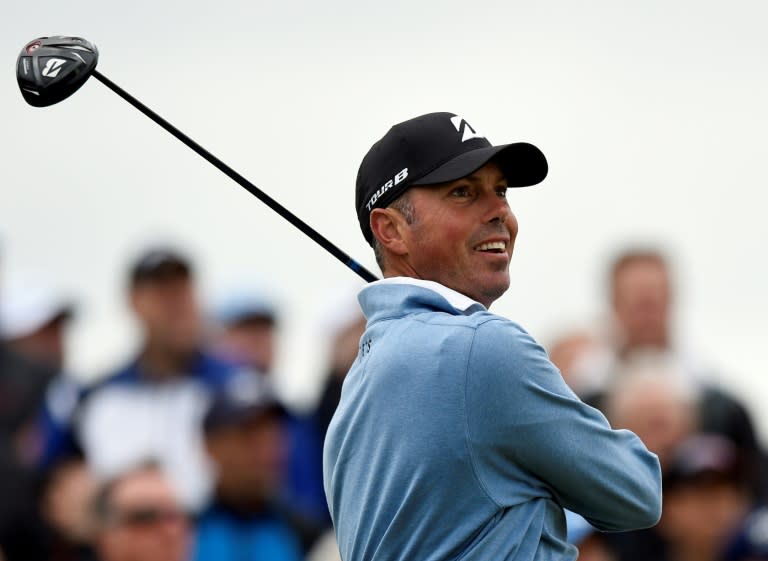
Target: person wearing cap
<point>28,364</point>
<point>247,440</point>
<point>34,320</point>
<point>706,500</point>
<point>456,437</point>
<point>153,406</point>
<point>247,323</point>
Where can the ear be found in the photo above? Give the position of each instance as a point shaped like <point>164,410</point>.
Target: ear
<point>388,227</point>
<point>136,299</point>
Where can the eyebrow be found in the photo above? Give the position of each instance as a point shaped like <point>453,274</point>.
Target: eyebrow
<point>475,179</point>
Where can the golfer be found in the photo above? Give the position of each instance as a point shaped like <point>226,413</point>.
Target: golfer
<point>456,438</point>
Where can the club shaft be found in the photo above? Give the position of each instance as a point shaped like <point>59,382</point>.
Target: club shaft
<point>240,180</point>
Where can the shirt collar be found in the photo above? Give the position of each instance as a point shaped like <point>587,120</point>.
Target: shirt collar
<point>455,299</point>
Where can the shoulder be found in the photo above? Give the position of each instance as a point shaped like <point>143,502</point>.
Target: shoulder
<point>125,375</point>
<point>488,338</point>
<point>502,337</point>
<point>505,357</point>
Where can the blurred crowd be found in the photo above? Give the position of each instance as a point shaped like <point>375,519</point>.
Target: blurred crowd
<point>637,371</point>
<point>183,452</point>
<point>186,452</point>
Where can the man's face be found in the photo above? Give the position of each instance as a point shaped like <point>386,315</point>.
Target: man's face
<point>67,499</point>
<point>704,512</point>
<point>145,522</point>
<point>46,344</point>
<point>641,301</point>
<point>169,312</point>
<point>656,410</point>
<point>250,458</point>
<point>463,234</point>
<point>252,342</point>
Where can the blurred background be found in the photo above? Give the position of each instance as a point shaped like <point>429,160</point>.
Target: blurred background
<point>652,116</point>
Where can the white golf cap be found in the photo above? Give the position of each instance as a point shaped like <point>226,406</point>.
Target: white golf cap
<point>26,308</point>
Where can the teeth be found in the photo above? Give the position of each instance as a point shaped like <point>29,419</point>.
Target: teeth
<point>493,245</point>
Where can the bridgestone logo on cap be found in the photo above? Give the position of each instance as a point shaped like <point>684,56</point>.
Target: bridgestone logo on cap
<point>401,175</point>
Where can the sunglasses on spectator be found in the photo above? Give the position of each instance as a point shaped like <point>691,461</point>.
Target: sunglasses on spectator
<point>147,517</point>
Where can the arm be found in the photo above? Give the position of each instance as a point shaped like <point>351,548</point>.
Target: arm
<point>530,435</point>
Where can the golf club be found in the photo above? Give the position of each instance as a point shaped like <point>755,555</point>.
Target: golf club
<point>50,69</point>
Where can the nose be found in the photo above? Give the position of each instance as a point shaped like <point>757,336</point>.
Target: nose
<point>175,527</point>
<point>498,210</point>
<point>500,217</point>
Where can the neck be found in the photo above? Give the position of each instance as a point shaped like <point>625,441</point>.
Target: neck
<point>160,362</point>
<point>654,337</point>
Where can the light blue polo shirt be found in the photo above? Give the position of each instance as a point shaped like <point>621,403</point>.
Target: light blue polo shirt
<point>457,439</point>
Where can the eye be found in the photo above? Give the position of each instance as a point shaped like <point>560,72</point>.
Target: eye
<point>501,191</point>
<point>460,191</point>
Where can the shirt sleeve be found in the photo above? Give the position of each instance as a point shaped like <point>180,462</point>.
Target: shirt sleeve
<point>531,436</point>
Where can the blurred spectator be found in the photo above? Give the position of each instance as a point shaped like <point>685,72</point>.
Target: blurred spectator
<point>245,435</point>
<point>567,350</point>
<point>247,322</point>
<point>138,518</point>
<point>153,406</point>
<point>656,405</point>
<point>66,502</point>
<point>641,296</point>
<point>35,320</point>
<point>246,332</point>
<point>705,500</point>
<point>32,321</point>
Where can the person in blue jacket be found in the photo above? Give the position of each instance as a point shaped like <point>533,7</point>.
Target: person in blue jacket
<point>456,437</point>
<point>247,438</point>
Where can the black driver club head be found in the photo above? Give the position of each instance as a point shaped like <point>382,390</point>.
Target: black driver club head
<point>50,69</point>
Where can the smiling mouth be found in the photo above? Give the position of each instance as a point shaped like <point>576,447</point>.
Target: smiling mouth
<point>492,247</point>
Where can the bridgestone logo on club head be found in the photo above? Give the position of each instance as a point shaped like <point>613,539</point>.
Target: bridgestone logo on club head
<point>53,67</point>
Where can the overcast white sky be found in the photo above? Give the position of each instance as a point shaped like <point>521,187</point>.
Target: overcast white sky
<point>652,114</point>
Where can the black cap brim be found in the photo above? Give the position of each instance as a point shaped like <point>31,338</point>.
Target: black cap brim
<point>522,164</point>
